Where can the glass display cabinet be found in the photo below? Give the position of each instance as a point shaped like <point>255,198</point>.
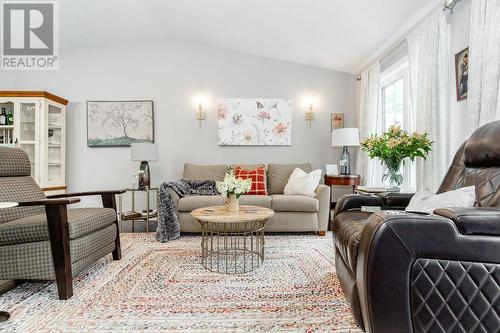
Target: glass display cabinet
<point>36,122</point>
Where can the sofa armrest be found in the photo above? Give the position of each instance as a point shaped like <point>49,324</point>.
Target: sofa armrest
<point>392,248</point>
<point>48,202</point>
<point>323,196</point>
<point>107,196</point>
<point>356,201</point>
<point>83,194</point>
<point>474,221</point>
<point>175,198</point>
<point>396,200</point>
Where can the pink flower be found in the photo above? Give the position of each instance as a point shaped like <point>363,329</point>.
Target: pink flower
<point>280,129</point>
<point>263,115</point>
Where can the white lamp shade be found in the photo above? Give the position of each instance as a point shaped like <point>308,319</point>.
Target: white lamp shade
<point>345,137</point>
<point>143,152</point>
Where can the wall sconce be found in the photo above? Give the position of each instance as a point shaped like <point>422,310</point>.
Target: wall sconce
<point>200,114</point>
<point>200,102</point>
<point>311,104</point>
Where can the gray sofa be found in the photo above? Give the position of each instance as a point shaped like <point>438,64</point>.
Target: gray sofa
<point>293,213</point>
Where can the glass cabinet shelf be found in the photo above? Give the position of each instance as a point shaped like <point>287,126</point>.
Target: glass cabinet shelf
<point>38,128</point>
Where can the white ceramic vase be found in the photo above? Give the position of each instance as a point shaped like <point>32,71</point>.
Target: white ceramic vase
<point>232,203</point>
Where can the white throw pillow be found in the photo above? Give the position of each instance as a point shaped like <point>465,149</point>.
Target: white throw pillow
<point>426,201</point>
<point>303,183</point>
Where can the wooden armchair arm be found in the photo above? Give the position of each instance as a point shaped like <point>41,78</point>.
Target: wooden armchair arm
<point>49,202</point>
<point>84,194</point>
<point>108,197</point>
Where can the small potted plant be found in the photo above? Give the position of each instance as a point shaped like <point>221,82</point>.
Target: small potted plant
<point>392,148</point>
<point>232,188</point>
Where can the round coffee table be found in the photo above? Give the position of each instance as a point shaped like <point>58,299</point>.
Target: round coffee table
<point>232,242</point>
<point>4,315</point>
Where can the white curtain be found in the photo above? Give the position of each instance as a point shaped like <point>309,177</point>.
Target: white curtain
<point>484,64</point>
<point>428,54</point>
<point>369,122</point>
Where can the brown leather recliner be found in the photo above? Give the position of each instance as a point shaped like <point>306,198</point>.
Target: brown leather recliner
<point>404,272</point>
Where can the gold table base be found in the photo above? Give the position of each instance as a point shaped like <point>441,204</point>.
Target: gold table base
<point>232,247</point>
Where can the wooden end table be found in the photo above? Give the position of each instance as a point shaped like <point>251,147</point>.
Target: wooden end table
<point>232,242</point>
<point>341,180</point>
<point>4,315</point>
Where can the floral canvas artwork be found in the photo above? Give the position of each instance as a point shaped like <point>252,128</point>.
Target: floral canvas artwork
<point>254,122</point>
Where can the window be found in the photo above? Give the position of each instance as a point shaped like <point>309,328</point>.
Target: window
<point>393,103</point>
<point>395,109</point>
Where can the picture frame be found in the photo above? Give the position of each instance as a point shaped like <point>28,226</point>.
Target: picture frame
<point>337,121</point>
<point>254,121</point>
<point>462,74</point>
<point>119,123</point>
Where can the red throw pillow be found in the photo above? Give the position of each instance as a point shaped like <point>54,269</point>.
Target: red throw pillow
<point>258,177</point>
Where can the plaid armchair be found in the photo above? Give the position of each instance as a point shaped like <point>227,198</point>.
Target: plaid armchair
<point>43,240</point>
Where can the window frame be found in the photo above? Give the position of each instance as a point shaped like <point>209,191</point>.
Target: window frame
<point>397,71</point>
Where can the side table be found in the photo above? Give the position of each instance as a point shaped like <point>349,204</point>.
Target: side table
<point>341,180</point>
<point>4,315</point>
<point>146,215</point>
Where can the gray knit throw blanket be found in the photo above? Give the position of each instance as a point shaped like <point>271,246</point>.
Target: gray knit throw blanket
<point>169,227</point>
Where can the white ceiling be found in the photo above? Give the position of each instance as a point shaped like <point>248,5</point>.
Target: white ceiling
<point>335,34</point>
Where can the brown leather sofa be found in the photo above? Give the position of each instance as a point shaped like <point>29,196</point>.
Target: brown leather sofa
<point>407,272</point>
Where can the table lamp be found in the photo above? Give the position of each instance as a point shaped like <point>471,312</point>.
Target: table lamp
<point>345,137</point>
<point>144,152</point>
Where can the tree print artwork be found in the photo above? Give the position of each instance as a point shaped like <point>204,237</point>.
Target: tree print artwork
<point>118,124</point>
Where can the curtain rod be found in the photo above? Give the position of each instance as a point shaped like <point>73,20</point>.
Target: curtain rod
<point>449,5</point>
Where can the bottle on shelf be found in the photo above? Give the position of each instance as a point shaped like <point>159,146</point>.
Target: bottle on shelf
<point>3,117</point>
<point>10,117</point>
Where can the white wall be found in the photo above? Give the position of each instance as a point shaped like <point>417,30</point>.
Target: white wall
<point>459,40</point>
<point>171,73</point>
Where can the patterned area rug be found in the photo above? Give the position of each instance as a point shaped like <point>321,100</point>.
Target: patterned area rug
<point>163,288</point>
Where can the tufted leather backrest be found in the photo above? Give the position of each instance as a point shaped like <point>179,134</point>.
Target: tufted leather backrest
<point>16,185</point>
<point>477,162</point>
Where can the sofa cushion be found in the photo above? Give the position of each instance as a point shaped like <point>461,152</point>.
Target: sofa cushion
<point>14,162</point>
<point>204,172</point>
<point>303,183</point>
<point>34,228</point>
<point>188,204</point>
<point>258,177</point>
<point>294,203</point>
<point>347,229</point>
<point>248,166</point>
<point>278,174</point>
<point>256,200</point>
<point>19,189</point>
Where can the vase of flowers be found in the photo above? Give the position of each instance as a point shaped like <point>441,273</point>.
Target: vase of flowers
<point>393,147</point>
<point>232,188</point>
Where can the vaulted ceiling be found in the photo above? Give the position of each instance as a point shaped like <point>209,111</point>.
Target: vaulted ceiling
<point>334,34</point>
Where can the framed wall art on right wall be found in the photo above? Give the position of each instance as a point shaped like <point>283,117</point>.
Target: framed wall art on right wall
<point>462,74</point>
<point>337,121</point>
